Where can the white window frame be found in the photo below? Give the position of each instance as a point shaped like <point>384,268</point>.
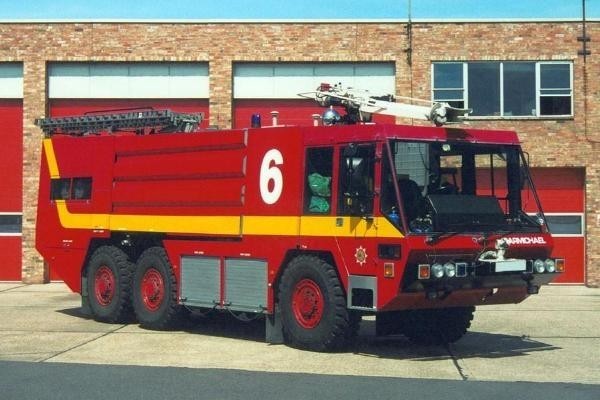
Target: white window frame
<point>464,88</point>
<point>538,89</point>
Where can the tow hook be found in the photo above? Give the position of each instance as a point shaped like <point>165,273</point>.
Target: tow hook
<point>532,289</point>
<point>489,294</point>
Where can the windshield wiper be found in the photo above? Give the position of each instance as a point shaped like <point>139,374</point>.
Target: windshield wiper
<point>435,237</point>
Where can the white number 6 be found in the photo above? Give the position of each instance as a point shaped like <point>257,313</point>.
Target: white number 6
<point>268,173</point>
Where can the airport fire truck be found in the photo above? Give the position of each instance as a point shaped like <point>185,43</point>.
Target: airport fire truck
<point>310,227</point>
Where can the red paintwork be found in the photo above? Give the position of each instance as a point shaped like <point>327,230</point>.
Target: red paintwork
<point>11,162</point>
<point>11,184</point>
<point>308,303</point>
<point>69,107</point>
<point>10,248</point>
<point>217,173</point>
<point>562,190</point>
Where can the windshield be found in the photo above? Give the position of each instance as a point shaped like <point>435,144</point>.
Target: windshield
<point>458,187</point>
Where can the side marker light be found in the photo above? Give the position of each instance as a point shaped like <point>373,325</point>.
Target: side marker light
<point>424,271</point>
<point>388,270</point>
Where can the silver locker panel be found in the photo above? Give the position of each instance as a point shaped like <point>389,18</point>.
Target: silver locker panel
<point>201,281</point>
<point>246,284</point>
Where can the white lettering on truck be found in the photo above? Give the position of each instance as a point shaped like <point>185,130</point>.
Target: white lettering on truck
<point>525,240</point>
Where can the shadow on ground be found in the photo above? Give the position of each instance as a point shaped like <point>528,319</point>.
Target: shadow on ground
<point>472,345</point>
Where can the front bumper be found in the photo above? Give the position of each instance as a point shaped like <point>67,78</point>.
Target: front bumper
<point>527,280</point>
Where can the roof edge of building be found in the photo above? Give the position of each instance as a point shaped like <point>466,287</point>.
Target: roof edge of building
<point>294,21</point>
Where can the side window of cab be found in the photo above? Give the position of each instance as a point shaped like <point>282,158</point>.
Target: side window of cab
<point>317,180</point>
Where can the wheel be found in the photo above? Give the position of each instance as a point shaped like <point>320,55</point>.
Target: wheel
<point>155,291</point>
<point>109,284</point>
<point>313,306</point>
<point>437,326</point>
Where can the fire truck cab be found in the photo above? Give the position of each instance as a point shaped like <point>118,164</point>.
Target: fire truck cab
<point>311,227</point>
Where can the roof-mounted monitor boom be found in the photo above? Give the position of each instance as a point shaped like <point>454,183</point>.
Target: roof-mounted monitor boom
<point>361,104</point>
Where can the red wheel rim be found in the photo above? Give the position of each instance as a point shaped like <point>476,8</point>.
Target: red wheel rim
<point>153,289</point>
<point>104,285</point>
<point>307,303</point>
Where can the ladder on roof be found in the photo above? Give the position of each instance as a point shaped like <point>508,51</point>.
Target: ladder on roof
<point>139,121</point>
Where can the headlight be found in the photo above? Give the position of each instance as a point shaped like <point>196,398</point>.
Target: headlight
<point>450,269</point>
<point>437,270</point>
<point>538,266</point>
<point>549,265</point>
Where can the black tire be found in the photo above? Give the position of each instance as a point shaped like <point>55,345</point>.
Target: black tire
<point>313,306</point>
<point>437,326</point>
<point>109,285</point>
<point>155,291</point>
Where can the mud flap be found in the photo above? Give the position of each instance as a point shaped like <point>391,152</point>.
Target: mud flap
<point>274,329</point>
<point>85,303</point>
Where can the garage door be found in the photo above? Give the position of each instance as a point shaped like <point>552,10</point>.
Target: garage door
<point>562,193</point>
<point>11,164</point>
<point>77,88</point>
<point>265,87</point>
<point>74,88</point>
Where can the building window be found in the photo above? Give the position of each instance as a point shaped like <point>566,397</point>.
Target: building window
<point>565,224</point>
<point>448,84</point>
<point>10,224</point>
<point>506,89</point>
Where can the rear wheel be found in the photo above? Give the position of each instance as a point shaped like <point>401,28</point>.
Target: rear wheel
<point>155,290</point>
<point>313,306</point>
<point>109,284</point>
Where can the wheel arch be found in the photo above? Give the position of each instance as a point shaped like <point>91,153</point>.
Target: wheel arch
<point>324,255</point>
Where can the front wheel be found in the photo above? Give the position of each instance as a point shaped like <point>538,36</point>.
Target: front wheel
<point>437,326</point>
<point>313,306</point>
<point>155,290</point>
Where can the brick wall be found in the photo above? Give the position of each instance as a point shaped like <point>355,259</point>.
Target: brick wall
<point>571,142</point>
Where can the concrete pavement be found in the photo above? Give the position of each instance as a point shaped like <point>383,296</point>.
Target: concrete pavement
<point>551,337</point>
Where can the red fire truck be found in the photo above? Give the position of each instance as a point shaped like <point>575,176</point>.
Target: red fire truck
<point>310,227</point>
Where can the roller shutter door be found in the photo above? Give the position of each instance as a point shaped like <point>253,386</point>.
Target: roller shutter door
<point>562,194</point>
<point>265,87</point>
<point>11,164</point>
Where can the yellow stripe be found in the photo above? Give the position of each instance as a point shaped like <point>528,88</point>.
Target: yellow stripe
<point>218,225</point>
<point>51,158</point>
<point>221,225</point>
<point>230,225</point>
<point>347,227</point>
